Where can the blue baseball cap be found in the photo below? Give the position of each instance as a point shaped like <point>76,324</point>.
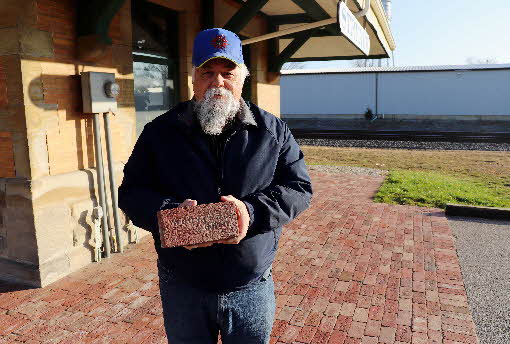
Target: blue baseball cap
<point>217,43</point>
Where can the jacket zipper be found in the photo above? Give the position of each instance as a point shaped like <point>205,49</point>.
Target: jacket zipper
<point>222,158</point>
<point>220,183</point>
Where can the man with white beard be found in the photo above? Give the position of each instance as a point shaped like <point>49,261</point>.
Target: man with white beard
<point>217,147</point>
<point>214,113</point>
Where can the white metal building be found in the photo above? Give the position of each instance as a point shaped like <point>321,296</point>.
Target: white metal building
<point>443,98</point>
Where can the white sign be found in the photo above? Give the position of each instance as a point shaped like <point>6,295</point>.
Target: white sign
<point>352,29</point>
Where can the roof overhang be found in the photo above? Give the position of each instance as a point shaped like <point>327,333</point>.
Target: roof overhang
<point>324,43</point>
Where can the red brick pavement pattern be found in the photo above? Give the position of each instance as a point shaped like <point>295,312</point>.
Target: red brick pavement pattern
<point>347,271</point>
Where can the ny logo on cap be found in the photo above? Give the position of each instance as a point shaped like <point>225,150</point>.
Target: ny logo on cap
<point>219,42</point>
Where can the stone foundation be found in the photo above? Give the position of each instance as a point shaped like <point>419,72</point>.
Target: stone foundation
<point>60,207</point>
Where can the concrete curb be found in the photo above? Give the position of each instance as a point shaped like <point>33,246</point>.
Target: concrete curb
<point>473,211</point>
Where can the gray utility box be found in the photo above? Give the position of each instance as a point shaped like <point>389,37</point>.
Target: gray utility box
<point>99,92</point>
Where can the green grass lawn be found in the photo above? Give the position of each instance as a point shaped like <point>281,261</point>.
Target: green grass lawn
<point>428,178</point>
<point>431,189</point>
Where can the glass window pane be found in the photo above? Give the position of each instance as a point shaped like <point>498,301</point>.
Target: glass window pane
<point>155,59</point>
<point>154,92</point>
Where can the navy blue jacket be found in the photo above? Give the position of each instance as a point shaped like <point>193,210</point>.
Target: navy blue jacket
<point>261,164</point>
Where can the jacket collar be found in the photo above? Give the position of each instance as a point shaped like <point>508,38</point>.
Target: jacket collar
<point>244,115</point>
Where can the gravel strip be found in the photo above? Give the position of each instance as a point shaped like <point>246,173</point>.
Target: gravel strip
<point>483,247</point>
<point>421,145</point>
<point>361,171</point>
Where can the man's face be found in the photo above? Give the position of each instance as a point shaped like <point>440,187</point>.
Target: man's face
<point>218,73</point>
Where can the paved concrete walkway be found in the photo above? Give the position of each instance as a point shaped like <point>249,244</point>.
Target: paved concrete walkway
<point>348,271</point>
<point>483,246</point>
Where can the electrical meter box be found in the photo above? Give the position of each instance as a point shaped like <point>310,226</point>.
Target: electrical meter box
<point>99,92</point>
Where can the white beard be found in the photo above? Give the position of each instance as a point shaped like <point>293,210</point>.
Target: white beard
<point>214,113</point>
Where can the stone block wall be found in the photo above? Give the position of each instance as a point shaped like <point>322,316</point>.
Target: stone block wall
<point>47,174</point>
<point>18,256</point>
<point>18,245</point>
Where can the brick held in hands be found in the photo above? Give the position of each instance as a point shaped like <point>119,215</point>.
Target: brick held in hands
<point>197,224</point>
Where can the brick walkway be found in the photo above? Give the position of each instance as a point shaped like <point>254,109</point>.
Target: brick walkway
<point>348,271</point>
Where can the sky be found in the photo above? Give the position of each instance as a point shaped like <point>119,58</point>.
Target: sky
<point>446,32</point>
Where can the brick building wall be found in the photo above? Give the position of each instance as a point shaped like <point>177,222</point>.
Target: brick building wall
<point>6,155</point>
<point>47,183</point>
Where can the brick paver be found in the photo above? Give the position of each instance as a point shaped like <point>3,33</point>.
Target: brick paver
<point>347,271</point>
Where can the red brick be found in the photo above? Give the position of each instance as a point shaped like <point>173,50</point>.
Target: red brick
<point>369,340</point>
<point>356,329</point>
<point>327,324</point>
<point>279,328</point>
<point>320,337</point>
<point>435,336</point>
<point>306,334</point>
<point>140,336</point>
<point>299,318</point>
<point>404,318</point>
<point>348,309</point>
<point>376,313</point>
<point>337,337</point>
<point>314,319</point>
<point>350,340</point>
<point>387,335</point>
<point>420,338</point>
<point>343,323</point>
<point>403,334</point>
<point>177,229</point>
<point>291,332</point>
<point>294,300</point>
<point>373,328</point>
<point>286,314</point>
<point>469,330</point>
<point>361,315</point>
<point>301,289</point>
<point>419,325</point>
<point>465,321</point>
<point>9,323</point>
<point>364,302</point>
<point>389,320</point>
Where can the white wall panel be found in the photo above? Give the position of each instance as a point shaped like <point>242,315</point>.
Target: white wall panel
<point>464,92</point>
<point>445,93</point>
<point>327,93</point>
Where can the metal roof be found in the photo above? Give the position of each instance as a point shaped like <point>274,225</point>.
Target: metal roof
<point>396,69</point>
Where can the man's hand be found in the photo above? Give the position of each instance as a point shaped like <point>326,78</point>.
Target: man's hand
<point>192,203</point>
<point>243,220</point>
<point>188,203</point>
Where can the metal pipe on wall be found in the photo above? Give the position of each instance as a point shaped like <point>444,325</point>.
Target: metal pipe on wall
<point>101,184</point>
<point>113,186</point>
<point>376,95</point>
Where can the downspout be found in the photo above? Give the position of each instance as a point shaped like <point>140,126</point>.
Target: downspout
<point>376,96</point>
<point>101,184</point>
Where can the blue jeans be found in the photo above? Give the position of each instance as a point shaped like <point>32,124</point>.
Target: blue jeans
<point>192,315</point>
